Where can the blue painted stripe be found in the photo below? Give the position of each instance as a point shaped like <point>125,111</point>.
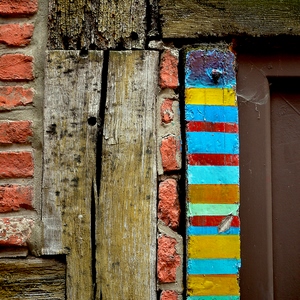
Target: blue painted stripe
<point>211,230</point>
<point>213,174</point>
<point>213,298</point>
<point>211,113</point>
<point>213,266</point>
<point>212,142</point>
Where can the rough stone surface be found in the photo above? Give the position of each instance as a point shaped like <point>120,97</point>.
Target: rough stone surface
<point>16,34</point>
<point>169,70</point>
<point>168,149</point>
<point>18,7</point>
<point>16,67</point>
<point>15,132</point>
<point>15,231</point>
<point>169,295</point>
<point>15,197</point>
<point>16,164</point>
<point>168,259</point>
<point>168,206</point>
<point>166,111</point>
<point>14,96</point>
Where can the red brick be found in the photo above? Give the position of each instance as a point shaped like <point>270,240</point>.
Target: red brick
<point>16,67</point>
<point>168,70</point>
<point>16,34</point>
<point>166,111</point>
<point>18,7</point>
<point>15,231</point>
<point>13,96</point>
<point>15,197</point>
<point>16,165</point>
<point>168,149</point>
<point>169,295</point>
<point>168,206</point>
<point>15,132</point>
<point>168,259</point>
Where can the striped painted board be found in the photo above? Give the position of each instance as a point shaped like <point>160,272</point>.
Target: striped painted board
<point>212,159</point>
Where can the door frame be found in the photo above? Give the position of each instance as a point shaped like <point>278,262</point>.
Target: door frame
<point>253,89</point>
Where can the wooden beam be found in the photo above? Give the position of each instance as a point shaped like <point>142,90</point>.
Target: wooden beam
<point>126,216</point>
<point>72,101</point>
<point>97,24</point>
<point>32,278</point>
<point>194,18</point>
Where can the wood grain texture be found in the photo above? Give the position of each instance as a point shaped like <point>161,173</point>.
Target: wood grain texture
<point>194,18</point>
<point>72,100</point>
<point>32,278</point>
<point>97,24</point>
<point>126,217</point>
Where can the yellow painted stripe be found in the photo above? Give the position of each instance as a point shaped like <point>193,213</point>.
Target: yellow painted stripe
<point>213,193</point>
<point>205,285</point>
<point>210,96</point>
<point>212,246</point>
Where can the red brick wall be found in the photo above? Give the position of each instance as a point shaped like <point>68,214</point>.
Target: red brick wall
<point>169,252</point>
<point>17,121</point>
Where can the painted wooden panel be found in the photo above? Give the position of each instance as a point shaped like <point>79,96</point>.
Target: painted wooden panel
<point>126,215</point>
<point>213,254</point>
<point>71,111</point>
<point>193,18</point>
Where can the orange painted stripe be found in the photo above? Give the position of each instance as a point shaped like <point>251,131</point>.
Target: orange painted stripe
<point>205,285</point>
<point>213,193</point>
<point>213,159</point>
<point>212,127</point>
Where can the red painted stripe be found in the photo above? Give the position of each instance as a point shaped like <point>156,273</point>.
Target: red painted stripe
<point>213,159</point>
<point>212,127</point>
<point>212,221</point>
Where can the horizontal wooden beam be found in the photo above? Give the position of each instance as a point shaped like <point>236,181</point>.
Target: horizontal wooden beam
<point>194,18</point>
<point>32,278</point>
<point>104,24</point>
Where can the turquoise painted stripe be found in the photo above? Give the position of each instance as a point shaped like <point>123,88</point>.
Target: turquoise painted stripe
<point>213,174</point>
<point>213,298</point>
<point>196,209</point>
<point>211,230</point>
<point>212,142</point>
<point>211,113</point>
<point>213,266</point>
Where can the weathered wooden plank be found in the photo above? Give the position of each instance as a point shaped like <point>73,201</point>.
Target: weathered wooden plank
<point>126,217</point>
<point>72,101</point>
<point>97,24</point>
<point>194,18</point>
<point>32,278</point>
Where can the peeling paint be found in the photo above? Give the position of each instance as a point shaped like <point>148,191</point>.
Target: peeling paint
<point>225,224</point>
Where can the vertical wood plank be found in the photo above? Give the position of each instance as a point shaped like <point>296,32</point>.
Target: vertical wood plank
<point>126,217</point>
<point>72,101</point>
